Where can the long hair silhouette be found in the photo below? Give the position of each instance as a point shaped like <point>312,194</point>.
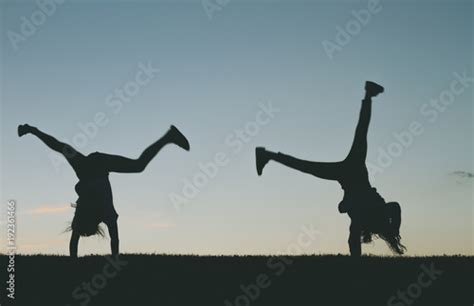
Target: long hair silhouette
<point>370,214</point>
<point>95,204</point>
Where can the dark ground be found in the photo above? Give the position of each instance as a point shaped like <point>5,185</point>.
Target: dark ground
<point>189,280</point>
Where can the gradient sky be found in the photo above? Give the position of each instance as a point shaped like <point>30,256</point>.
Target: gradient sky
<point>213,74</point>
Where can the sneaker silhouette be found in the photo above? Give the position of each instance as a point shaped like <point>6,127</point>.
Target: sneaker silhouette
<point>261,159</point>
<point>178,138</point>
<point>373,88</point>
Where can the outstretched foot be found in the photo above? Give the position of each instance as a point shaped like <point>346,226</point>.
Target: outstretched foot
<point>373,89</point>
<point>24,129</point>
<point>178,138</point>
<point>262,159</point>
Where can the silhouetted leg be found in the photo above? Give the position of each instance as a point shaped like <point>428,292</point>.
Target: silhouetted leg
<point>329,171</point>
<point>73,157</point>
<point>355,245</point>
<point>115,163</point>
<point>358,152</point>
<point>114,237</point>
<point>73,244</point>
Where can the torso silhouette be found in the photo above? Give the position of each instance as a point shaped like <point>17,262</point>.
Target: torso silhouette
<point>94,187</point>
<point>361,201</point>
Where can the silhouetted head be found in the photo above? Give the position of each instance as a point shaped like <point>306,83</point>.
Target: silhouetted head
<point>86,221</point>
<point>387,228</point>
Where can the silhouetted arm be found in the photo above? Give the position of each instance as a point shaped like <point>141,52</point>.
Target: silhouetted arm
<point>73,243</point>
<point>355,245</point>
<point>114,238</point>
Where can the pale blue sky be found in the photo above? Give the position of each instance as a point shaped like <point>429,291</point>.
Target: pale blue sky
<point>213,74</point>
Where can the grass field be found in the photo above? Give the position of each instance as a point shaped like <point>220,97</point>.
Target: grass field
<point>253,280</point>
